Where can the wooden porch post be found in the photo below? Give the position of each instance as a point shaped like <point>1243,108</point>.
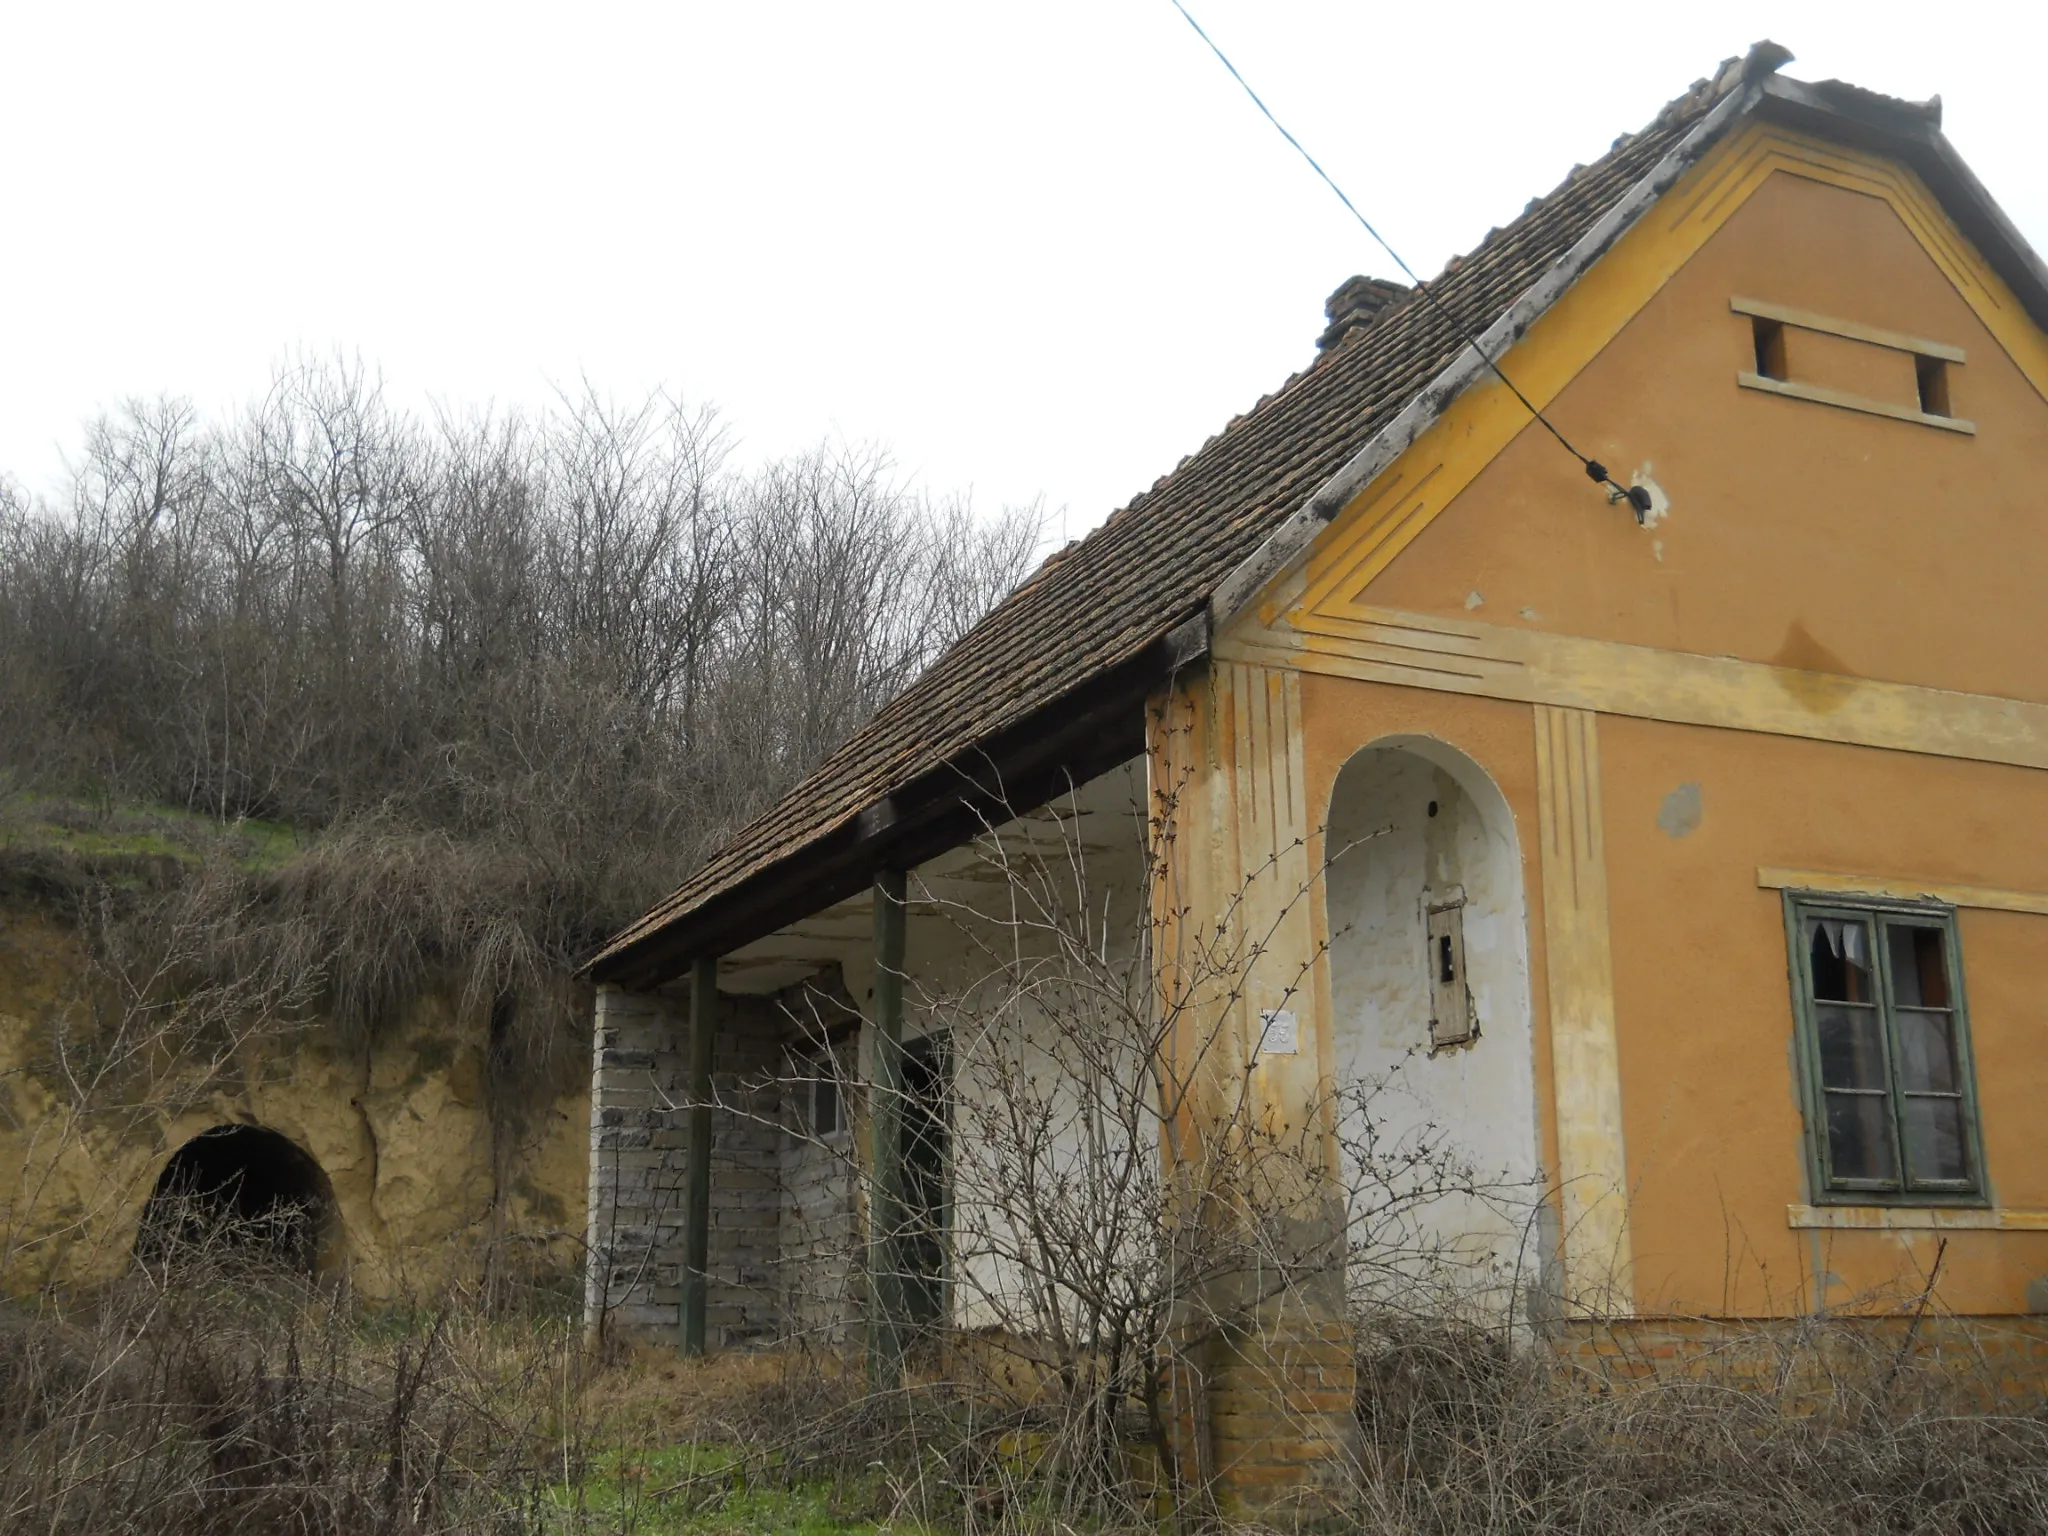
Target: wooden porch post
<point>885,1116</point>
<point>697,1174</point>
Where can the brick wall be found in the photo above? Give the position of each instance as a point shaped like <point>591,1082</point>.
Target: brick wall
<point>821,1226</point>
<point>2007,1355</point>
<point>638,1145</point>
<point>743,1303</point>
<point>1281,1409</point>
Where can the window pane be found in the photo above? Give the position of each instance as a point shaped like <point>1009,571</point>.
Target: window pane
<point>1934,1140</point>
<point>1851,1046</point>
<point>1840,955</point>
<point>1927,1052</point>
<point>1859,1138</point>
<point>1919,968</point>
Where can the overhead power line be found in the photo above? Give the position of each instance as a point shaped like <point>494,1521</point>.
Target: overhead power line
<point>1637,497</point>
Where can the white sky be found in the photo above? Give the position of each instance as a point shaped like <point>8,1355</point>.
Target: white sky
<point>1034,248</point>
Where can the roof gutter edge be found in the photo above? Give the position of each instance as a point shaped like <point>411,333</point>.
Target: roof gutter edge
<point>1291,539</point>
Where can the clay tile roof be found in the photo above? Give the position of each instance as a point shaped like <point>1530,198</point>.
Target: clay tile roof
<point>1155,563</point>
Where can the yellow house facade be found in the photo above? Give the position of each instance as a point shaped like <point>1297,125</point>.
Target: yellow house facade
<point>1683,850</point>
<point>1817,693</point>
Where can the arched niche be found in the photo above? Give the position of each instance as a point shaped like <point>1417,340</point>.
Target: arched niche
<point>243,1192</point>
<point>1432,1033</point>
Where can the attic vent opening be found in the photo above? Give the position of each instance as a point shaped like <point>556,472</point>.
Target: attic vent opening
<point>1850,365</point>
<point>1932,373</point>
<point>1770,347</point>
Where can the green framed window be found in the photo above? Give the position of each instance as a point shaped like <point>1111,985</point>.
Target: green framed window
<point>1891,1100</point>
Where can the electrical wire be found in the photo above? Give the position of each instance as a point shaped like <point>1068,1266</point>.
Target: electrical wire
<point>1638,498</point>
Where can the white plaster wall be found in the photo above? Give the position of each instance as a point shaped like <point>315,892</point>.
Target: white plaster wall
<point>821,1248</point>
<point>1467,1110</point>
<point>987,963</point>
<point>1055,1150</point>
<point>1020,955</point>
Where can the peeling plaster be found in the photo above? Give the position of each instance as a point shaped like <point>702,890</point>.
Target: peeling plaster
<point>1682,811</point>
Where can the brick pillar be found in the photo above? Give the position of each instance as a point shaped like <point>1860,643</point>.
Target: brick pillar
<point>1282,1389</point>
<point>633,1270</point>
<point>1267,1381</point>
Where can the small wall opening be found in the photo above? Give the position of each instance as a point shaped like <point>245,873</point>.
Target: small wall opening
<point>239,1191</point>
<point>1769,336</point>
<point>1932,374</point>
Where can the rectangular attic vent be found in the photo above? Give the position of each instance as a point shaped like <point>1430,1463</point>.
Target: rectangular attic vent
<point>1855,367</point>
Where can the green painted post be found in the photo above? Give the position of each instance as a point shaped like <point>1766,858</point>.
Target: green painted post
<point>885,1116</point>
<point>697,1174</point>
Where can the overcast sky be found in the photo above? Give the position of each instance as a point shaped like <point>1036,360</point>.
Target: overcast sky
<point>1036,248</point>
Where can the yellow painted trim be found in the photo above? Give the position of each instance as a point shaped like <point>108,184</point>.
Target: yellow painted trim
<point>1849,330</point>
<point>1390,512</point>
<point>1792,389</point>
<point>1988,898</point>
<point>1585,1048</point>
<point>1532,666</point>
<point>1268,880</point>
<point>1909,1218</point>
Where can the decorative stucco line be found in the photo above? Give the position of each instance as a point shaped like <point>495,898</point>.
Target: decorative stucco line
<point>1585,1053</point>
<point>1905,888</point>
<point>1272,874</point>
<point>1613,677</point>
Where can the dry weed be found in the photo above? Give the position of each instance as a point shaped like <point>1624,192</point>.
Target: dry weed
<point>214,1392</point>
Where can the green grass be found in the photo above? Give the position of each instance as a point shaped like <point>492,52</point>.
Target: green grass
<point>77,830</point>
<point>690,1490</point>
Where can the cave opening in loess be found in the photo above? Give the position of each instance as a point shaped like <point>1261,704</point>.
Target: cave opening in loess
<point>239,1191</point>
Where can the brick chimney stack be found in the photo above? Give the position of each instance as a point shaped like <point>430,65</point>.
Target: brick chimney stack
<point>1357,301</point>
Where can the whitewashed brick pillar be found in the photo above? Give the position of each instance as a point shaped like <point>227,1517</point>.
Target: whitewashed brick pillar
<point>633,1268</point>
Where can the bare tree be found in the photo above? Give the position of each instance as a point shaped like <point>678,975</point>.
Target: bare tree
<point>508,678</point>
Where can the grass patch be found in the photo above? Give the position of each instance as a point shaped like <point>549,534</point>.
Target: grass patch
<point>703,1491</point>
<point>113,835</point>
<point>56,850</point>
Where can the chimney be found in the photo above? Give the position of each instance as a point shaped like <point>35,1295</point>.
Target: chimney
<point>1357,301</point>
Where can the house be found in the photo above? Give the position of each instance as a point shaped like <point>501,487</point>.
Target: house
<point>1673,840</point>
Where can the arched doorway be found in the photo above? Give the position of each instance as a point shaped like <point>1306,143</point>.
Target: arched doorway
<point>240,1191</point>
<point>1433,1036</point>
